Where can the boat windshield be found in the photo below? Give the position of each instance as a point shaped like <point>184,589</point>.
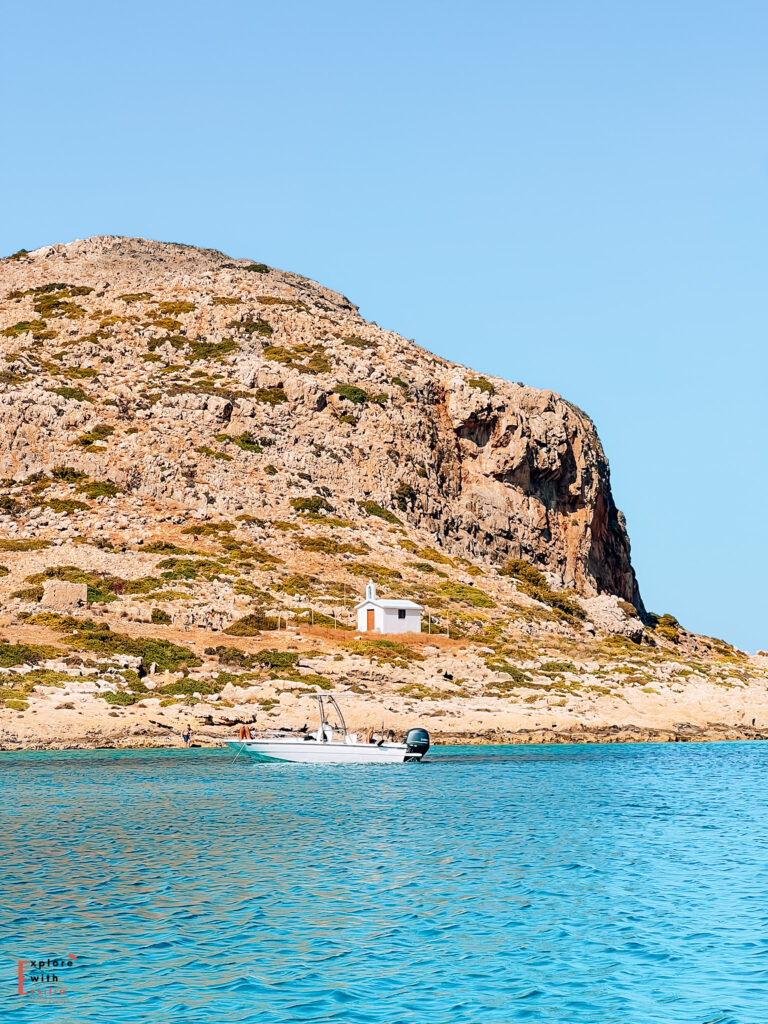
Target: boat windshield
<point>325,703</point>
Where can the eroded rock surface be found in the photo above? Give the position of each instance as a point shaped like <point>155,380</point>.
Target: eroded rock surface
<point>163,347</point>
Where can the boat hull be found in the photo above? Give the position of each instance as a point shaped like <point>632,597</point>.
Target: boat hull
<point>310,752</point>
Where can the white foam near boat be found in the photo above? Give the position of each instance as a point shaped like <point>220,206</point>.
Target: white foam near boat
<point>328,746</point>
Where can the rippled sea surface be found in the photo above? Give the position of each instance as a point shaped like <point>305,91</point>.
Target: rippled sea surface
<point>622,884</point>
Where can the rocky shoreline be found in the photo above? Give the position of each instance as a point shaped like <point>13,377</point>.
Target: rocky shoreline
<point>683,733</point>
<point>612,734</point>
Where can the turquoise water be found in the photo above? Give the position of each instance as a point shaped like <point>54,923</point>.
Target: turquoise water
<point>621,884</point>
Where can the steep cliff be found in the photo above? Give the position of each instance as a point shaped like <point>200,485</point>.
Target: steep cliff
<point>223,386</point>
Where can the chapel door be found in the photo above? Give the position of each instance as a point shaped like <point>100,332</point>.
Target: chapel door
<point>370,623</point>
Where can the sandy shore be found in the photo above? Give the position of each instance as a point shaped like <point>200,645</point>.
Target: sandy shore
<point>630,695</point>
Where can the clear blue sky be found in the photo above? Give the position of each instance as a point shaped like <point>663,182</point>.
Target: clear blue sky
<point>570,194</point>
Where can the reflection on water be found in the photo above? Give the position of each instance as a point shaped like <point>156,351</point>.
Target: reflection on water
<point>616,884</point>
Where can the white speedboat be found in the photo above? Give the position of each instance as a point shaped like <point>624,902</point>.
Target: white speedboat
<point>329,746</point>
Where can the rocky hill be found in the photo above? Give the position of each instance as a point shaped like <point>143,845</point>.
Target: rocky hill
<point>217,449</point>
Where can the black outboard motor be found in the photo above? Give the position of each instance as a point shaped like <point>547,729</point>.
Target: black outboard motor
<point>417,743</point>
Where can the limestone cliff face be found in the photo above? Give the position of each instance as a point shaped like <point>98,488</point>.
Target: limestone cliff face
<point>217,384</point>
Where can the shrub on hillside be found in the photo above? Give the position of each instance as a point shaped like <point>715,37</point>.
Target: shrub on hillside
<point>252,624</point>
<point>371,508</point>
<point>315,504</point>
<point>534,584</point>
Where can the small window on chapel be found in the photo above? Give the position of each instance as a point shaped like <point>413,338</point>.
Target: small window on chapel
<point>401,613</point>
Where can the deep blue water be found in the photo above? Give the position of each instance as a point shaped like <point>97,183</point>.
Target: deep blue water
<point>622,884</point>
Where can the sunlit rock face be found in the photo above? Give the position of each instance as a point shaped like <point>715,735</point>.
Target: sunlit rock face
<point>219,385</point>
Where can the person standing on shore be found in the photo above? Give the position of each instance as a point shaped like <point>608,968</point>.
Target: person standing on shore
<point>186,735</point>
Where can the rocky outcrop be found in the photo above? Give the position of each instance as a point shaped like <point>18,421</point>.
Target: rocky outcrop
<point>59,596</point>
<point>209,383</point>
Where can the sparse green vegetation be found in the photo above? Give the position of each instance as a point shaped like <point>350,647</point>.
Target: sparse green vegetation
<point>193,569</point>
<point>315,618</point>
<point>466,594</point>
<point>256,268</point>
<point>277,659</point>
<point>75,394</point>
<point>352,394</point>
<point>557,667</point>
<point>310,681</point>
<point>164,547</point>
<point>37,328</point>
<point>80,372</point>
<point>28,594</point>
<point>136,297</point>
<point>405,496</point>
<point>314,504</point>
<point>371,508</point>
<point>99,489</point>
<point>208,529</point>
<point>186,687</point>
<point>666,626</point>
<point>210,350</point>
<point>388,652</point>
<point>51,300</point>
<point>533,583</point>
<point>67,506</point>
<point>26,654</point>
<point>420,691</point>
<point>245,441</point>
<point>160,617</point>
<point>82,634</point>
<point>251,326</point>
<point>232,656</point>
<point>436,556</point>
<point>120,698</point>
<point>377,573</point>
<point>354,342</point>
<point>482,385</point>
<point>23,545</point>
<point>297,584</point>
<point>329,546</point>
<point>239,549</point>
<point>500,665</point>
<point>101,587</point>
<point>425,567</point>
<point>252,624</point>
<point>165,323</point>
<point>98,433</point>
<point>175,308</point>
<point>303,357</point>
<point>276,300</point>
<point>68,474</point>
<point>271,396</point>
<point>211,453</point>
